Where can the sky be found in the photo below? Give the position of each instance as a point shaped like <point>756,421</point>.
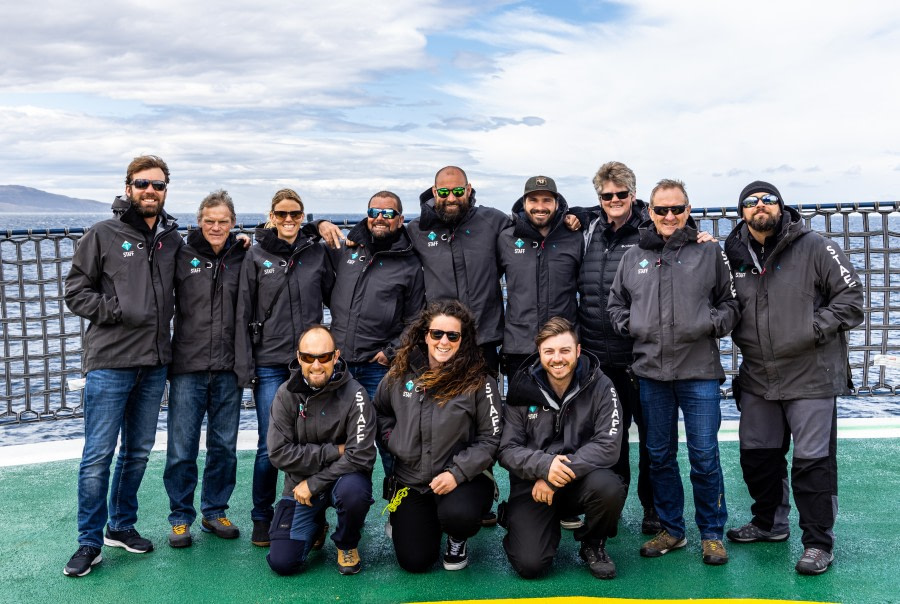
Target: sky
<point>341,99</point>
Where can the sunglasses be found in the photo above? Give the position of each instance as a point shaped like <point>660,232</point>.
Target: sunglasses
<point>143,183</point>
<point>282,214</point>
<point>437,334</point>
<point>753,200</point>
<point>618,194</point>
<point>388,213</point>
<point>309,358</point>
<point>664,210</point>
<point>444,192</point>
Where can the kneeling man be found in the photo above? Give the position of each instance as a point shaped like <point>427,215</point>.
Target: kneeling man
<point>561,437</point>
<point>322,435</point>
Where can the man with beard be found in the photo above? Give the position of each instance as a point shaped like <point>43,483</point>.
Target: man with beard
<point>121,281</point>
<point>321,434</point>
<point>560,440</point>
<point>541,258</point>
<point>799,296</point>
<point>378,290</point>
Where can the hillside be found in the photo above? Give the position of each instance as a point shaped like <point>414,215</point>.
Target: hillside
<point>14,198</point>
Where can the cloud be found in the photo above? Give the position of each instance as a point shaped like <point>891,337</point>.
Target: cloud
<point>484,123</point>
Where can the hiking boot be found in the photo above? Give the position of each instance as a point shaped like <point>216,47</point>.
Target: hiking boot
<point>750,533</point>
<point>662,544</point>
<point>598,561</point>
<point>650,524</point>
<point>220,527</point>
<point>714,552</point>
<point>129,539</point>
<point>571,523</point>
<point>180,536</point>
<point>81,562</point>
<point>814,561</point>
<point>489,519</point>
<point>319,541</point>
<point>457,555</point>
<point>260,535</point>
<point>348,561</point>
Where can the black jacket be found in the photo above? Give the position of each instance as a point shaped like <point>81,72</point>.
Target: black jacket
<point>462,263</point>
<point>206,292</point>
<point>266,266</point>
<point>122,281</point>
<point>796,310</point>
<point>585,425</point>
<point>375,295</point>
<point>426,439</point>
<point>541,275</point>
<point>307,425</point>
<point>604,251</point>
<point>675,298</point>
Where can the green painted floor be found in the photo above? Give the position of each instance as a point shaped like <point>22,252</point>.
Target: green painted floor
<point>38,506</point>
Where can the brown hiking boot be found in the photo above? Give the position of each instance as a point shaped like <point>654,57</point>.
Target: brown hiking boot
<point>348,561</point>
<point>662,544</point>
<point>714,552</point>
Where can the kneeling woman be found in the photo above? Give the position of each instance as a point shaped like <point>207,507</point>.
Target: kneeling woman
<point>439,415</point>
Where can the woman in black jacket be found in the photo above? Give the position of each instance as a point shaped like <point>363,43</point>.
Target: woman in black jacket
<point>439,415</point>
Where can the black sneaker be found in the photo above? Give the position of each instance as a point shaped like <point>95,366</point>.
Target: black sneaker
<point>750,533</point>
<point>260,534</point>
<point>598,561</point>
<point>220,527</point>
<point>650,525</point>
<point>129,539</point>
<point>814,561</point>
<point>571,523</point>
<point>81,562</point>
<point>457,555</point>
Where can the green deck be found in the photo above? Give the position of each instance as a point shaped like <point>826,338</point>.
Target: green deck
<point>39,510</point>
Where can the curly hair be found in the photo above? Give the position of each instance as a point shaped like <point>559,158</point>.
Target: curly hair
<point>463,374</point>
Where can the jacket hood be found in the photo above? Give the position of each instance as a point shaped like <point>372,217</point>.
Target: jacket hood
<point>297,384</point>
<point>428,216</point>
<point>651,239</point>
<point>360,234</point>
<point>131,217</point>
<point>269,241</point>
<point>530,386</point>
<point>523,226</point>
<point>736,244</point>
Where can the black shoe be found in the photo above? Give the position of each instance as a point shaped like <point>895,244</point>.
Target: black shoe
<point>129,539</point>
<point>220,527</point>
<point>457,555</point>
<point>598,561</point>
<point>180,536</point>
<point>814,561</point>
<point>81,562</point>
<point>260,534</point>
<point>319,541</point>
<point>650,524</point>
<point>489,519</point>
<point>750,533</point>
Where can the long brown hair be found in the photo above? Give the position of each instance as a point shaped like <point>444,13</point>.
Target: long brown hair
<point>463,374</point>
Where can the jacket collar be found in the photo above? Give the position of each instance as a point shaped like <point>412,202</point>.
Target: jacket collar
<point>360,235</point>
<point>297,383</point>
<point>530,386</point>
<point>737,244</point>
<point>523,226</point>
<point>651,240</point>
<point>269,241</point>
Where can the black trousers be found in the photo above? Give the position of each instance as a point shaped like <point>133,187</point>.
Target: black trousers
<point>765,434</point>
<point>422,518</point>
<point>533,530</point>
<point>630,402</point>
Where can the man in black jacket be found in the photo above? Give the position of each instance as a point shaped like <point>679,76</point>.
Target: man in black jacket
<point>322,436</point>
<point>561,437</point>
<point>540,258</point>
<point>202,379</point>
<point>121,281</point>
<point>799,296</point>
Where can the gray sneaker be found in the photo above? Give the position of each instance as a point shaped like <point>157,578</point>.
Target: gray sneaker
<point>220,527</point>
<point>814,561</point>
<point>598,561</point>
<point>750,533</point>
<point>180,536</point>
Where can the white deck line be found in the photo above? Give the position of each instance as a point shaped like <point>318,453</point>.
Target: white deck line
<point>16,455</point>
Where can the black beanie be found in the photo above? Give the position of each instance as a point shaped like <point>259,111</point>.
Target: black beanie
<point>755,187</point>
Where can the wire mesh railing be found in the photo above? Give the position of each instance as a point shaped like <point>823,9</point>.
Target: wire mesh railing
<point>41,338</point>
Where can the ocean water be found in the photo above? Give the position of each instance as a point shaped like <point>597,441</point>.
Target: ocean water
<point>854,406</point>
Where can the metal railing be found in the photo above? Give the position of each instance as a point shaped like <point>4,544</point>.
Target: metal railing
<point>41,338</point>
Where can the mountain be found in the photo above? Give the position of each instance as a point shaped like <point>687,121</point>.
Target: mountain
<point>14,198</point>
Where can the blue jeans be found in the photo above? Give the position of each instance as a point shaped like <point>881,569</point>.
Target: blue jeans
<point>116,401</point>
<point>216,395</point>
<point>296,525</point>
<point>699,403</point>
<point>265,475</point>
<point>369,375</point>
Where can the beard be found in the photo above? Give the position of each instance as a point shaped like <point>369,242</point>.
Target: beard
<point>764,223</point>
<point>138,200</point>
<point>454,214</point>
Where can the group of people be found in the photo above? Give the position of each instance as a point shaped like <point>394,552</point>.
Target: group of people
<point>613,316</point>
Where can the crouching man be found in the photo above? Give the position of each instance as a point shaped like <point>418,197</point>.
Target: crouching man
<point>322,435</point>
<point>561,437</point>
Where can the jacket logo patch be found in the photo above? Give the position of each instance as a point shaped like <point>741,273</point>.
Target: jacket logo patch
<point>432,236</point>
<point>354,255</point>
<point>195,263</point>
<point>126,245</point>
<point>361,420</point>
<point>267,264</point>
<point>532,412</point>
<point>492,412</point>
<point>845,272</point>
<point>409,386</point>
<point>519,243</point>
<point>644,263</point>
